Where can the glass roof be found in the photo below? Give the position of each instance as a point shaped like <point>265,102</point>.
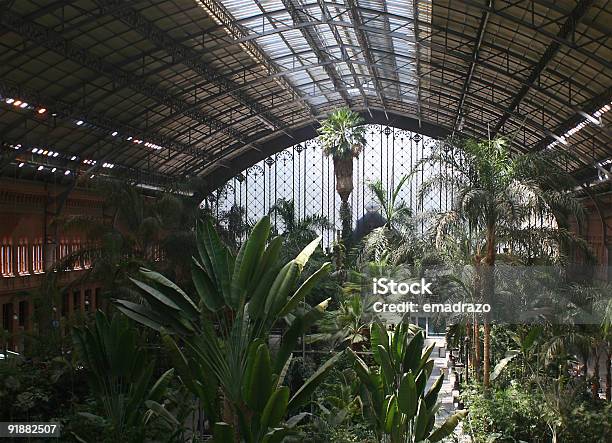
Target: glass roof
<point>324,49</point>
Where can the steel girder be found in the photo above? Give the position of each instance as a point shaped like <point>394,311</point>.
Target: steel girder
<point>185,55</point>
<point>362,38</point>
<point>103,125</point>
<point>317,47</point>
<point>222,16</point>
<point>566,29</point>
<point>475,52</point>
<point>52,40</point>
<point>589,108</point>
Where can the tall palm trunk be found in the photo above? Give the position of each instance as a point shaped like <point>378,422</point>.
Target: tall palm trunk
<point>489,287</point>
<point>343,169</point>
<point>476,341</point>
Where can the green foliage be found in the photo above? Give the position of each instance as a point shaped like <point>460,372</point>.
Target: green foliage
<point>225,330</point>
<point>394,393</point>
<point>510,414</point>
<point>120,375</point>
<point>342,134</point>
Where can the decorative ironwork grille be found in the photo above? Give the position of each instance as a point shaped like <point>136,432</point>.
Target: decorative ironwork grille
<point>302,173</point>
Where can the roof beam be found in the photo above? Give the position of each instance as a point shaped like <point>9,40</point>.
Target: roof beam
<point>468,79</point>
<point>563,41</point>
<point>589,108</point>
<point>362,38</point>
<point>52,40</point>
<point>417,45</point>
<point>566,29</point>
<point>187,56</point>
<point>224,18</point>
<point>342,47</point>
<point>315,43</point>
<point>103,125</point>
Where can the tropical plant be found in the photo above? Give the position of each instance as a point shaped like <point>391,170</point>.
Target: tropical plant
<point>120,374</point>
<point>226,328</point>
<point>500,196</point>
<point>296,231</point>
<point>394,393</point>
<point>395,241</point>
<point>343,138</point>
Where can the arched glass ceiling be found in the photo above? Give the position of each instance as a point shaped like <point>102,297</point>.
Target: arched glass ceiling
<point>166,89</point>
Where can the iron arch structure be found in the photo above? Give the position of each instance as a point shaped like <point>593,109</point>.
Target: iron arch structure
<point>303,176</point>
<point>154,91</point>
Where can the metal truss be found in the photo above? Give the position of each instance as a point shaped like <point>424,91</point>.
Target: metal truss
<point>566,29</point>
<point>50,39</point>
<point>362,38</point>
<point>102,125</point>
<point>189,57</point>
<point>218,12</point>
<point>318,48</point>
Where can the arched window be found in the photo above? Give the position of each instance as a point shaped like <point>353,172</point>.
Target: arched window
<point>38,262</point>
<point>6,259</point>
<point>23,264</point>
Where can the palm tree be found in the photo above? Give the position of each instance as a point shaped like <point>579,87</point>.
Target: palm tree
<point>296,232</point>
<point>343,138</point>
<point>501,197</point>
<point>395,240</point>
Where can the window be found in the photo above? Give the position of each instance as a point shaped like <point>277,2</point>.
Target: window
<point>23,313</point>
<point>65,304</point>
<point>63,250</point>
<point>87,299</point>
<point>6,260</point>
<point>76,300</point>
<point>7,317</point>
<point>87,256</point>
<point>38,262</point>
<point>76,247</point>
<point>97,297</point>
<point>23,266</point>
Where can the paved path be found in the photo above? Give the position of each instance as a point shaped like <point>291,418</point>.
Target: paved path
<point>445,397</point>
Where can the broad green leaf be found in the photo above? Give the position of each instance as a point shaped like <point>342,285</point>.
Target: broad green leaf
<point>422,421</point>
<point>304,256</point>
<point>499,367</point>
<point>141,316</point>
<point>378,336</point>
<point>159,388</point>
<point>303,394</point>
<point>248,258</point>
<point>162,412</point>
<point>412,353</point>
<point>184,301</point>
<point>447,427</point>
<point>432,395</point>
<point>390,413</point>
<point>386,366</point>
<point>262,293</point>
<point>281,288</point>
<point>204,287</point>
<point>275,409</point>
<point>271,254</point>
<point>276,435</point>
<point>361,368</point>
<point>298,327</point>
<point>259,381</point>
<point>305,288</point>
<point>426,354</point>
<point>407,395</point>
<point>155,294</point>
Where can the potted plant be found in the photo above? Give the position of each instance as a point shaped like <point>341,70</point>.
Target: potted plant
<point>343,138</point>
